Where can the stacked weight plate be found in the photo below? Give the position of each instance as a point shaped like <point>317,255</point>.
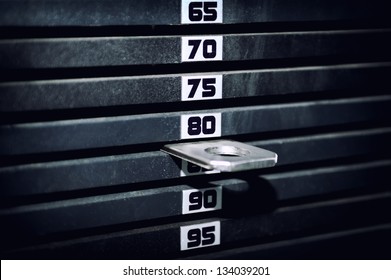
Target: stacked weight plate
<point>91,91</point>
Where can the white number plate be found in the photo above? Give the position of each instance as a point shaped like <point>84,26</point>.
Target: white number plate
<point>200,235</point>
<point>202,48</point>
<point>202,87</point>
<point>201,200</point>
<point>200,125</point>
<point>197,11</point>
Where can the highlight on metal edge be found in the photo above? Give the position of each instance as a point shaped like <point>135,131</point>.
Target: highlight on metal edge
<point>223,155</point>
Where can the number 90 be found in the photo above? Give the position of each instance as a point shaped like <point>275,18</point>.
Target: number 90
<point>197,200</point>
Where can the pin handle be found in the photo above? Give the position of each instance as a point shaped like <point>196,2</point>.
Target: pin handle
<point>223,155</point>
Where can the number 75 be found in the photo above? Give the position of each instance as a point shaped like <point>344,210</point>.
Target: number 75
<point>201,87</point>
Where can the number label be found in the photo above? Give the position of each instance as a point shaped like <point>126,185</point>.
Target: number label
<point>202,48</point>
<point>190,169</point>
<point>201,200</point>
<point>200,126</point>
<point>198,11</point>
<point>202,87</point>
<point>201,235</point>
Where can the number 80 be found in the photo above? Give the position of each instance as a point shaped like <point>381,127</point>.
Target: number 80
<point>196,125</point>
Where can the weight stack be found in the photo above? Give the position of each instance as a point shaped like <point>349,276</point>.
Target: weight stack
<point>91,91</point>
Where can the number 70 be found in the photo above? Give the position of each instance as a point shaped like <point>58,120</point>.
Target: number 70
<point>202,48</point>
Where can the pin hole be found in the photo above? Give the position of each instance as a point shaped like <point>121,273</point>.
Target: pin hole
<point>227,151</point>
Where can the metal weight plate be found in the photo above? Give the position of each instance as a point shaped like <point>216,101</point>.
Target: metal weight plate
<point>74,174</point>
<point>168,12</point>
<point>118,91</point>
<point>121,51</point>
<point>77,134</point>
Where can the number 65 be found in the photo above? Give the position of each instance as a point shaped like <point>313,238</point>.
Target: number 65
<point>206,11</point>
<point>196,11</point>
